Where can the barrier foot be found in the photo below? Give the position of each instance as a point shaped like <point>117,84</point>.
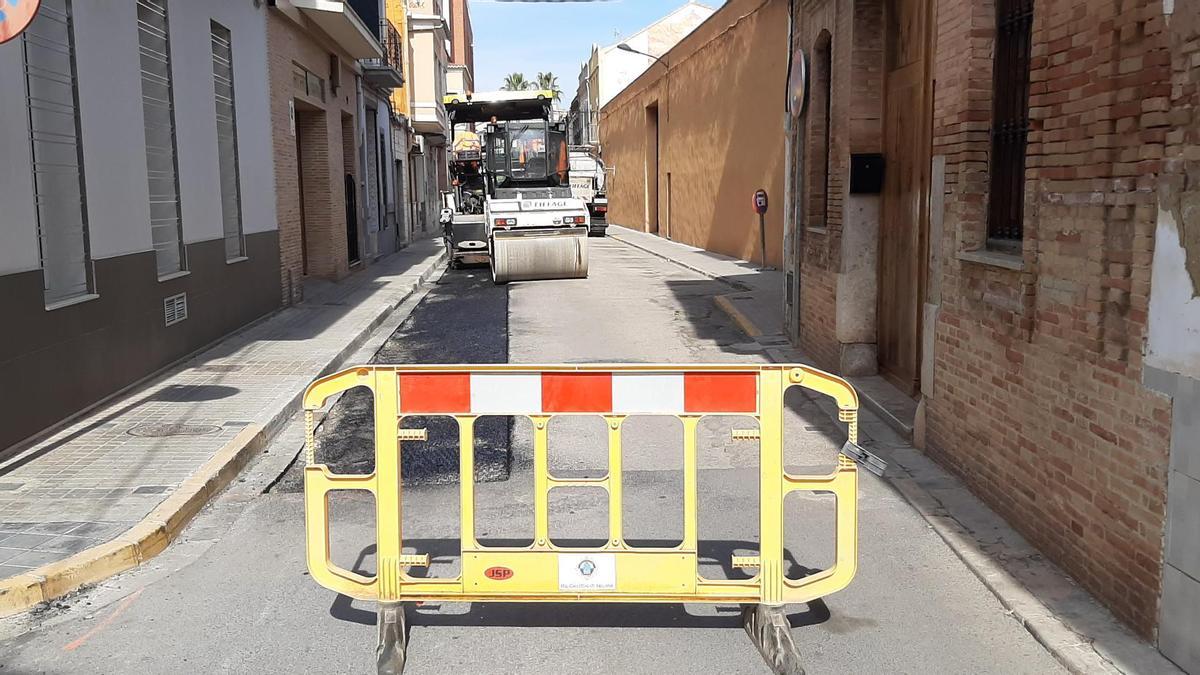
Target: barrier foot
<point>393,639</point>
<point>769,629</point>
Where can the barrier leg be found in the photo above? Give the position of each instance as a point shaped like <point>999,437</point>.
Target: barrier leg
<point>393,639</point>
<point>768,627</point>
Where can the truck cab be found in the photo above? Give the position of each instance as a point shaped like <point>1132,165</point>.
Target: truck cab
<point>588,183</point>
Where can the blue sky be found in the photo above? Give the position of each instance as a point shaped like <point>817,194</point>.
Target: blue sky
<point>553,36</point>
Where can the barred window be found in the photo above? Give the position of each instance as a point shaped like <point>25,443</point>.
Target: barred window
<point>162,169</point>
<point>1010,123</point>
<point>820,113</point>
<point>227,145</point>
<point>57,153</point>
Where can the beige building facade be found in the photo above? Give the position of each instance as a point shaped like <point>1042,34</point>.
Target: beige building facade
<point>315,122</point>
<point>686,154</point>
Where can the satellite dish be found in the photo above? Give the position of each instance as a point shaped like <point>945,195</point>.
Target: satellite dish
<point>798,83</point>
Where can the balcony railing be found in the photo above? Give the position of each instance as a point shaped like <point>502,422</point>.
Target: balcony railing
<point>387,72</point>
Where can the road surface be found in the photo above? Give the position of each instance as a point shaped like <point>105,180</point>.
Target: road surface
<point>234,595</point>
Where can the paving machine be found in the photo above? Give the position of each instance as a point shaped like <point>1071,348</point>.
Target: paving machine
<point>512,198</point>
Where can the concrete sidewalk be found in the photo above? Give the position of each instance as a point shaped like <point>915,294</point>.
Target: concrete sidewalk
<point>114,486</point>
<point>1073,626</point>
<point>755,302</point>
<point>755,298</point>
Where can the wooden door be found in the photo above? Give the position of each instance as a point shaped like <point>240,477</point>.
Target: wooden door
<point>904,217</point>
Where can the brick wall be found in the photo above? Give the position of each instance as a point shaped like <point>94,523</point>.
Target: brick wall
<point>849,34</point>
<point>320,166</point>
<point>1035,398</point>
<point>1037,401</point>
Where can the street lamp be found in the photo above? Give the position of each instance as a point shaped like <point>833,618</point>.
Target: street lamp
<point>624,46</point>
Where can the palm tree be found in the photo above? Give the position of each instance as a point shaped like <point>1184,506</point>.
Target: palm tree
<point>516,82</point>
<point>549,81</point>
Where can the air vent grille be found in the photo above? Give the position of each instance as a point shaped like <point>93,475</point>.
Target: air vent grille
<point>175,308</point>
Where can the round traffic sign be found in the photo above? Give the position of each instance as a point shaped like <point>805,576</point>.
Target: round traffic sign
<point>15,17</point>
<point>760,202</point>
<point>798,83</point>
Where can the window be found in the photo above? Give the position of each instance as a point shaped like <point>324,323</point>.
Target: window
<point>162,170</point>
<point>381,180</point>
<point>227,145</point>
<point>53,107</point>
<point>820,117</point>
<point>1010,123</point>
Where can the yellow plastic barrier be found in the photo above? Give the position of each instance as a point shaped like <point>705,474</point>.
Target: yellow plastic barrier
<point>614,572</point>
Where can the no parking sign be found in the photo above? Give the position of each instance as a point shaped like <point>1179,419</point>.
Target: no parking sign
<point>15,17</point>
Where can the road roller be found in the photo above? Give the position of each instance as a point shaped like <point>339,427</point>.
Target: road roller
<point>512,198</point>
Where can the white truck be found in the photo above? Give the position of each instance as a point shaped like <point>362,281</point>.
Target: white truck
<point>588,183</point>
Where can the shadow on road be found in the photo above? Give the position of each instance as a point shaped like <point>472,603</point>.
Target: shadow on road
<point>463,319</point>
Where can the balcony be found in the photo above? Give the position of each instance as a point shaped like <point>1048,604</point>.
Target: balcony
<point>342,24</point>
<point>386,72</point>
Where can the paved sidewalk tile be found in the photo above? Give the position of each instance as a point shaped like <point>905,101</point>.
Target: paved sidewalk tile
<point>93,479</point>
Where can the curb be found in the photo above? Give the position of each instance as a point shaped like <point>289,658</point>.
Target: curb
<point>1072,650</point>
<point>141,542</point>
<point>161,526</point>
<point>741,288</point>
<point>748,327</point>
<point>723,301</point>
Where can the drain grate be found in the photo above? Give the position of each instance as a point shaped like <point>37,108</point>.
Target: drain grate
<point>164,430</point>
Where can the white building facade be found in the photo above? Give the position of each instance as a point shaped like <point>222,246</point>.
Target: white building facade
<point>137,184</point>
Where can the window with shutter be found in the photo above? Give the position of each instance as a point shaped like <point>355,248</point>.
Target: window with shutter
<point>57,153</point>
<point>227,145</point>
<point>162,169</point>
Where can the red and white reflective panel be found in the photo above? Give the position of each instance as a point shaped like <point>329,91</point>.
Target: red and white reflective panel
<point>533,393</point>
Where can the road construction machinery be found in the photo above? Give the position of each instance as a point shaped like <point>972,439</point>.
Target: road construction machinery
<point>588,183</point>
<point>512,201</point>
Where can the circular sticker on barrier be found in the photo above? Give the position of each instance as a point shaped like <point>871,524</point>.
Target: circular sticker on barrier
<point>15,17</point>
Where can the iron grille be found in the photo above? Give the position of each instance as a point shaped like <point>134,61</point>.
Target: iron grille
<point>57,153</point>
<point>158,108</point>
<point>227,142</point>
<point>389,40</point>
<point>1010,121</point>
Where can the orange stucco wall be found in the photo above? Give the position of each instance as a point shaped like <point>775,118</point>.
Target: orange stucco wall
<point>721,134</point>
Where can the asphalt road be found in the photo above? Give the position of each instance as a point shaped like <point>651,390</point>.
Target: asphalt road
<point>234,594</point>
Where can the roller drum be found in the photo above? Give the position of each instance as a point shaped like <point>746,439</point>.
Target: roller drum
<point>526,256</point>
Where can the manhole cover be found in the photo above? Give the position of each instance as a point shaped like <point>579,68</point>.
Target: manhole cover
<point>163,430</point>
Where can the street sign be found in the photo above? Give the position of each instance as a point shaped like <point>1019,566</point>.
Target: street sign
<point>760,202</point>
<point>760,207</point>
<point>15,17</point>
